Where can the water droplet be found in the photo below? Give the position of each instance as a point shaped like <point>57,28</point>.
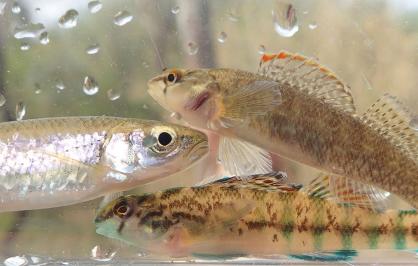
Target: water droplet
<point>38,89</point>
<point>285,20</point>
<point>16,8</point>
<point>30,30</point>
<point>313,26</point>
<point>59,85</point>
<point>175,115</point>
<point>2,6</point>
<point>94,6</point>
<point>20,111</point>
<point>24,46</point>
<point>193,48</point>
<point>222,37</point>
<point>93,49</point>
<point>413,124</point>
<point>175,10</point>
<point>69,19</point>
<point>232,16</point>
<point>16,261</point>
<point>100,254</point>
<point>122,18</point>
<point>90,86</point>
<point>113,94</point>
<point>44,38</point>
<point>2,100</point>
<point>261,49</point>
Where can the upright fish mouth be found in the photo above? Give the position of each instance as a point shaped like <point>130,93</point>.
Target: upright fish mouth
<point>198,101</point>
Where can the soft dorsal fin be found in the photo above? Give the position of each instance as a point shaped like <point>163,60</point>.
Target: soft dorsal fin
<point>307,75</point>
<point>347,191</point>
<point>388,117</point>
<point>275,181</point>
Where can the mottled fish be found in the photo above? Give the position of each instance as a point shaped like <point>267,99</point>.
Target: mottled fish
<point>300,110</point>
<point>53,162</point>
<point>258,216</point>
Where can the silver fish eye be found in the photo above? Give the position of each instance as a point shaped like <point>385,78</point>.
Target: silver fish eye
<point>165,138</point>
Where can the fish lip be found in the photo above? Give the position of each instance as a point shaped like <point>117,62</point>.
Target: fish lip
<point>198,101</point>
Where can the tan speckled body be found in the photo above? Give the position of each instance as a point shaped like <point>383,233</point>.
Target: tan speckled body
<point>223,219</point>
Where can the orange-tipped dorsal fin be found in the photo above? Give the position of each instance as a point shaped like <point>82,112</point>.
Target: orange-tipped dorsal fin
<point>307,75</point>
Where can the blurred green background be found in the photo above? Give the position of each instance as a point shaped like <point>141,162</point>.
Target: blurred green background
<point>372,45</point>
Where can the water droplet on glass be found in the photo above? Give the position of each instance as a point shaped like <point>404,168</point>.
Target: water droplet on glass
<point>2,100</point>
<point>113,94</point>
<point>59,85</point>
<point>2,6</point>
<point>175,10</point>
<point>20,111</point>
<point>94,6</point>
<point>175,115</point>
<point>93,49</point>
<point>38,89</point>
<point>90,86</point>
<point>261,49</point>
<point>16,8</point>
<point>232,16</point>
<point>222,37</point>
<point>69,19</point>
<point>16,261</point>
<point>413,124</point>
<point>193,48</point>
<point>30,30</point>
<point>44,38</point>
<point>285,20</point>
<point>122,18</point>
<point>312,26</point>
<point>100,254</point>
<point>24,46</point>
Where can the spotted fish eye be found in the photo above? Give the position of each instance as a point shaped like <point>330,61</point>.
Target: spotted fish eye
<point>122,209</point>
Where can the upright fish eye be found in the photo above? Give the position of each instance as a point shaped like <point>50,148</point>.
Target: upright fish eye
<point>165,138</point>
<point>173,77</point>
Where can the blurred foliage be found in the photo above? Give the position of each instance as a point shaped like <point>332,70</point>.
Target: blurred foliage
<point>369,44</point>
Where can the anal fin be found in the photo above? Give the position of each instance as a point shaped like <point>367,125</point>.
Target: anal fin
<point>332,256</point>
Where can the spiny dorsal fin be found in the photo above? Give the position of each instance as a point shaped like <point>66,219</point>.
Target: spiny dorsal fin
<point>307,75</point>
<point>275,181</point>
<point>347,191</point>
<point>388,117</point>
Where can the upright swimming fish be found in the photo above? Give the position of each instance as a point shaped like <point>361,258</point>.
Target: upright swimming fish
<point>302,111</point>
<point>54,162</point>
<point>260,216</point>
